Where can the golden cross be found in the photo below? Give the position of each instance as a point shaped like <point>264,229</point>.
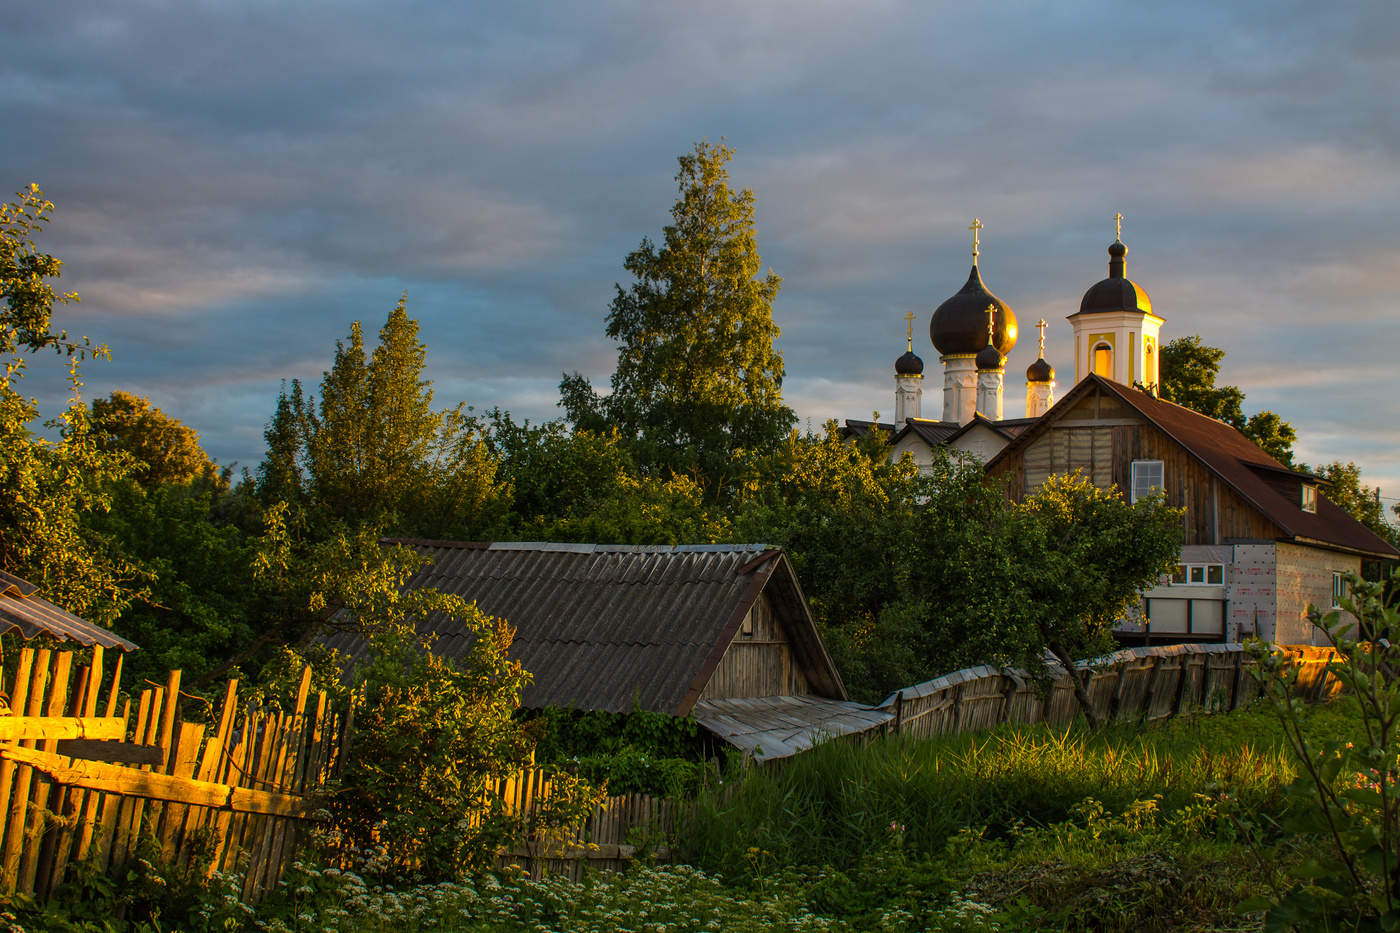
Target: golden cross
<point>1118,226</point>
<point>991,323</point>
<point>976,228</point>
<point>910,318</point>
<point>1040,325</point>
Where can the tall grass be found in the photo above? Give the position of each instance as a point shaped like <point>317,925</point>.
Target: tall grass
<point>841,801</point>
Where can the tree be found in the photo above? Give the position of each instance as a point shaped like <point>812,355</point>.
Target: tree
<point>163,448</point>
<point>47,487</point>
<point>1078,559</point>
<point>582,486</point>
<point>884,552</point>
<point>372,449</point>
<point>697,379</point>
<point>1189,369</point>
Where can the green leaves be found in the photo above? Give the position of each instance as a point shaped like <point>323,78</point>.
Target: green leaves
<point>1345,803</point>
<point>698,381</point>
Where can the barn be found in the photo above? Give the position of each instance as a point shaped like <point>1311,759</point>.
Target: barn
<point>719,632</point>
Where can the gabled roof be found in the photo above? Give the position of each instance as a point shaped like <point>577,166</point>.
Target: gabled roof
<point>854,427</point>
<point>931,432</point>
<point>938,433</point>
<point>607,627</point>
<point>22,608</point>
<point>1235,459</point>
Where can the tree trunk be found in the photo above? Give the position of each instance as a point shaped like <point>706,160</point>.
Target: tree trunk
<point>1063,656</point>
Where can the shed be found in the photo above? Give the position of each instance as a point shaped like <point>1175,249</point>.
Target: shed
<point>684,629</point>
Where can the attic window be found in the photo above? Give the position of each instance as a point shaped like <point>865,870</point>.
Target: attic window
<point>1309,502</point>
<point>1146,476</point>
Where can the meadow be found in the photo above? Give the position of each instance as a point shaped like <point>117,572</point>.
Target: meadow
<point>1154,826</point>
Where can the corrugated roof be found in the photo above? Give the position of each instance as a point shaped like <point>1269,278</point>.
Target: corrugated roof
<point>21,607</point>
<point>1235,459</point>
<point>779,727</point>
<point>610,627</point>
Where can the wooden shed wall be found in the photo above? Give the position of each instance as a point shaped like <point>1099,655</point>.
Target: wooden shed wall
<point>1102,437</point>
<point>759,662</point>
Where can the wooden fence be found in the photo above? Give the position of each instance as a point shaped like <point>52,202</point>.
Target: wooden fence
<point>1136,683</point>
<point>82,781</point>
<point>619,830</point>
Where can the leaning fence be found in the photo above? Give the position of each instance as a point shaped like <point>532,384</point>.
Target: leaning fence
<point>84,782</point>
<point>1135,683</point>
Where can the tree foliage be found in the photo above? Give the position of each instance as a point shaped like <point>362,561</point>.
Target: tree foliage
<point>1189,369</point>
<point>698,380</point>
<point>1360,501</point>
<point>372,450</point>
<point>163,449</point>
<point>1077,559</point>
<point>47,487</point>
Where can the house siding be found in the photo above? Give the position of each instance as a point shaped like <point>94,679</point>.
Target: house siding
<point>1101,437</point>
<point>759,661</point>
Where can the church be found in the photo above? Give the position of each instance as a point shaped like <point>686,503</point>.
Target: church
<point>1260,540</point>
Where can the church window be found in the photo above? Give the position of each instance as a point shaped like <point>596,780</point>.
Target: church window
<point>1103,361</point>
<point>1309,503</point>
<point>1146,476</point>
<point>1149,371</point>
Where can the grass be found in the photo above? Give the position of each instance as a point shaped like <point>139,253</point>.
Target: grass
<point>1161,827</point>
<point>837,802</point>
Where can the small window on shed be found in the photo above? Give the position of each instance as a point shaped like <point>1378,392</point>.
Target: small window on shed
<point>1309,502</point>
<point>1146,476</point>
<point>1339,588</point>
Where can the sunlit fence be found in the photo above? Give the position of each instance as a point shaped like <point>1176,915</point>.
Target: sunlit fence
<point>82,781</point>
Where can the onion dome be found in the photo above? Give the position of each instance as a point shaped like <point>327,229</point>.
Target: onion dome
<point>909,365</point>
<point>989,359</point>
<point>1117,292</point>
<point>1040,371</point>
<point>959,326</point>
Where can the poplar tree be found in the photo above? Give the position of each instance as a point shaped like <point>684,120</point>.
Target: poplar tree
<point>372,449</point>
<point>698,381</point>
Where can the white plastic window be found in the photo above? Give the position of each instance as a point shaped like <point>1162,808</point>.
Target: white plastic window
<point>1146,476</point>
<point>1199,575</point>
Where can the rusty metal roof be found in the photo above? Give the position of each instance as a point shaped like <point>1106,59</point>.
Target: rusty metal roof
<point>610,627</point>
<point>22,608</point>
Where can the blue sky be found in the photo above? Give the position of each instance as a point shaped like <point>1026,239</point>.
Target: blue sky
<point>238,181</point>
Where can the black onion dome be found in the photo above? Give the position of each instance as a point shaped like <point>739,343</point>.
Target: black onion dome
<point>988,358</point>
<point>960,323</point>
<point>909,365</point>
<point>1117,292</point>
<point>1040,371</point>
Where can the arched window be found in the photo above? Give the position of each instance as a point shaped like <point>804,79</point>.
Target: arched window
<point>1103,361</point>
<point>1149,368</point>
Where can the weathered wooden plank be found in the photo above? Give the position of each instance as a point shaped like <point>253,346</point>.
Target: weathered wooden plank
<point>129,753</point>
<point>18,816</point>
<point>40,839</point>
<point>19,698</point>
<point>43,728</point>
<point>152,785</point>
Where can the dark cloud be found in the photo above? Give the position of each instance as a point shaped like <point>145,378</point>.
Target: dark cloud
<point>237,182</point>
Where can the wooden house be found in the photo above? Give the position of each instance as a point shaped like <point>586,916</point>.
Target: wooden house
<point>718,632</point>
<point>1260,541</point>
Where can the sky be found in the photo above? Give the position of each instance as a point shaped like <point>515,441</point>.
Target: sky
<point>236,182</point>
